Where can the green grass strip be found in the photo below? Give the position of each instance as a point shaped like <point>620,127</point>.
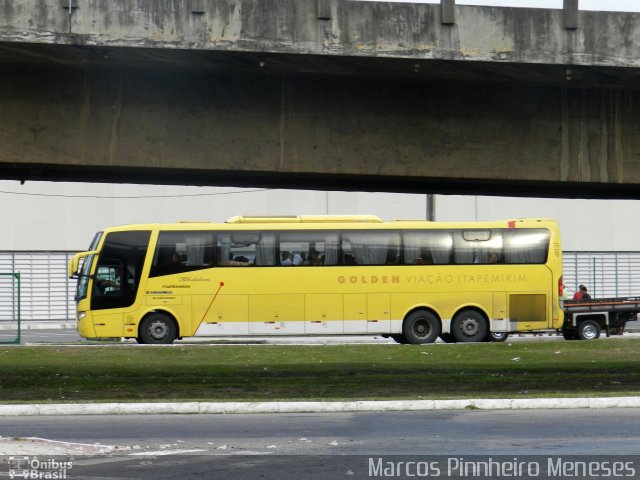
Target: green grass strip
<point>522,369</point>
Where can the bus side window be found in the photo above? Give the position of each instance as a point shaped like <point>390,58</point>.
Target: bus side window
<point>371,248</point>
<point>427,247</point>
<point>179,251</point>
<point>526,246</point>
<point>477,246</point>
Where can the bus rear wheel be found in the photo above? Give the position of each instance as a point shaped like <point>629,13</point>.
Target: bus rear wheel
<point>158,329</point>
<point>496,336</point>
<point>421,327</point>
<point>447,338</point>
<point>469,326</point>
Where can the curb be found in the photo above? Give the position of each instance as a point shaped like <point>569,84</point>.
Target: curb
<point>40,325</point>
<point>314,407</point>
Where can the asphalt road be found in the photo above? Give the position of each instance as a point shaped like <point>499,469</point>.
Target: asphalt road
<point>480,432</point>
<point>326,446</point>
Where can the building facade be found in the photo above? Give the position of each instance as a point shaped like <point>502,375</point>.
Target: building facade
<point>45,222</point>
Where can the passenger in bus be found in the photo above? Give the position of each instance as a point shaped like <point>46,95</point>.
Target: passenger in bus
<point>392,258</point>
<point>286,259</point>
<point>314,258</point>
<point>297,259</point>
<point>240,260</point>
<point>424,259</point>
<point>350,260</point>
<point>175,260</point>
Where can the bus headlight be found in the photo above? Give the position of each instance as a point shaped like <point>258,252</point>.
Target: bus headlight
<point>80,315</point>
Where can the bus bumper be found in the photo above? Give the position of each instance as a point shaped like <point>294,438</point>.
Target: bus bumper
<point>85,326</point>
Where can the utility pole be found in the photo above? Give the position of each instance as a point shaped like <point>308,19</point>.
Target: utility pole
<point>431,207</point>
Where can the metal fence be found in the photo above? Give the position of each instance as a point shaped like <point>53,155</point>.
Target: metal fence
<point>9,307</point>
<point>47,293</point>
<point>606,274</point>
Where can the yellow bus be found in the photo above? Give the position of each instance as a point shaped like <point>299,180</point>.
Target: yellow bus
<point>413,281</point>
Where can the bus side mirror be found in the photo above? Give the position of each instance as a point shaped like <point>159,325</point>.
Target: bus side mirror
<point>73,266</point>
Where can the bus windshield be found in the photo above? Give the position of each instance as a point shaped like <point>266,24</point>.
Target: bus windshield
<point>83,278</point>
<point>85,270</point>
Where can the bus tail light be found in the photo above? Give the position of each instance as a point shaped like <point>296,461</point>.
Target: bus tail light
<point>560,287</point>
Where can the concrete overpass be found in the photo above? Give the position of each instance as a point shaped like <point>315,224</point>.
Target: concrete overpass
<point>330,94</point>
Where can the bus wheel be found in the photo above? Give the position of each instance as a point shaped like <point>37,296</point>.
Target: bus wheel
<point>421,327</point>
<point>496,336</point>
<point>588,330</point>
<point>157,328</point>
<point>469,326</point>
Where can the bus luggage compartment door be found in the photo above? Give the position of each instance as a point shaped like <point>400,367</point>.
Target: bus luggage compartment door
<point>355,313</point>
<point>276,314</point>
<point>378,312</point>
<point>323,314</point>
<point>529,310</point>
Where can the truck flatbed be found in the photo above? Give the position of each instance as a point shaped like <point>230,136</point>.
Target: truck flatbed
<point>617,304</point>
<point>585,319</point>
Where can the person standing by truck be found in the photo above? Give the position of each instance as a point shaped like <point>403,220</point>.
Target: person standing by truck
<point>582,293</point>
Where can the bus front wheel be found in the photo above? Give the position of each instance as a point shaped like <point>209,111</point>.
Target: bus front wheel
<point>157,328</point>
<point>421,327</point>
<point>469,326</point>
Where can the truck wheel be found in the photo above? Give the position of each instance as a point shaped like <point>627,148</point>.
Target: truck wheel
<point>469,326</point>
<point>588,330</point>
<point>421,327</point>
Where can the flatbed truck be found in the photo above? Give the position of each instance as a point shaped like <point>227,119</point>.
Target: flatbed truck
<point>586,319</point>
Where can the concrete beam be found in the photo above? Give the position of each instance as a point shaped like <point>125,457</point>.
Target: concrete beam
<point>321,94</point>
<point>335,29</point>
<point>345,133</point>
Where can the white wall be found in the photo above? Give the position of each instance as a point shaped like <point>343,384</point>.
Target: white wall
<point>586,225</point>
<point>64,216</point>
